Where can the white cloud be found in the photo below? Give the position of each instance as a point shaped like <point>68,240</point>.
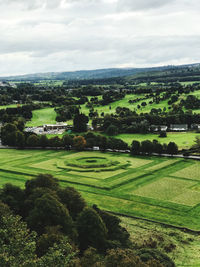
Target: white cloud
<point>59,35</point>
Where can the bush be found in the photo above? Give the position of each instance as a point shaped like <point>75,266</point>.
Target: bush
<point>163,134</point>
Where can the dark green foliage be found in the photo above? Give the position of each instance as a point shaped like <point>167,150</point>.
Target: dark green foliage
<point>72,200</point>
<point>91,229</point>
<point>20,139</point>
<point>191,102</point>
<point>48,239</point>
<point>48,211</point>
<point>147,254</point>
<point>32,140</point>
<point>111,130</point>
<point>43,142</point>
<point>79,143</point>
<point>67,141</point>
<point>4,209</point>
<point>158,148</point>
<point>115,231</point>
<point>146,147</point>
<point>13,196</point>
<point>135,147</point>
<point>8,134</point>
<point>42,180</point>
<point>80,123</point>
<point>163,134</point>
<point>92,258</point>
<point>172,148</point>
<point>55,142</point>
<point>36,193</point>
<point>122,258</point>
<point>17,244</point>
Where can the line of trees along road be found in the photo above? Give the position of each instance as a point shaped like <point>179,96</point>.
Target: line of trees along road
<point>12,135</point>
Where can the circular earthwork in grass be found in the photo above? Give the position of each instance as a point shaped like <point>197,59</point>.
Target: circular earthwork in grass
<point>88,164</point>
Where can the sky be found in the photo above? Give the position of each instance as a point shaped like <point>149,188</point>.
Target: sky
<point>67,35</point>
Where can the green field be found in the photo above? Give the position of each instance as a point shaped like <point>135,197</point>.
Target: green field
<point>124,103</point>
<point>117,182</point>
<point>9,106</point>
<point>183,140</point>
<point>42,116</point>
<point>133,106</point>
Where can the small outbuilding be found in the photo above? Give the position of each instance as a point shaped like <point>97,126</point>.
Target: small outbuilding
<point>179,127</point>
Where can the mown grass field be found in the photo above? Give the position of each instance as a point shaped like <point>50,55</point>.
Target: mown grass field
<point>182,139</point>
<point>117,182</point>
<point>42,116</point>
<point>108,109</point>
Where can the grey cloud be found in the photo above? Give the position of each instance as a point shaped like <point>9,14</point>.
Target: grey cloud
<point>32,4</point>
<point>142,4</point>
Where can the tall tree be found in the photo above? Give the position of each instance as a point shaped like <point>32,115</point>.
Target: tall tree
<point>91,230</point>
<point>80,122</point>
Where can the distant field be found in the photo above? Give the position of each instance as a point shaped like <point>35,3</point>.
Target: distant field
<point>42,116</point>
<point>124,103</point>
<point>108,109</point>
<point>9,106</point>
<point>117,182</point>
<point>183,140</point>
<point>50,82</point>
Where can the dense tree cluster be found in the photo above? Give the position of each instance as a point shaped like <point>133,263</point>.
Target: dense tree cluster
<point>48,225</point>
<point>191,102</point>
<point>127,121</point>
<point>149,147</point>
<point>12,134</point>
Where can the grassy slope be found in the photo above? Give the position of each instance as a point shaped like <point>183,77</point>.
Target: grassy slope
<point>42,116</point>
<point>124,103</point>
<point>187,250</point>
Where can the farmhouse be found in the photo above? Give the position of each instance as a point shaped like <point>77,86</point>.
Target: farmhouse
<point>178,127</point>
<point>58,126</point>
<point>195,126</point>
<point>157,128</point>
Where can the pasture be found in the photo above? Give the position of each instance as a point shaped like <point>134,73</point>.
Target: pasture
<point>42,116</point>
<point>108,109</point>
<point>184,140</point>
<point>159,189</point>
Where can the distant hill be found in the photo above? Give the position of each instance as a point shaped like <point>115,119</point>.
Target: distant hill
<point>181,73</point>
<point>93,74</point>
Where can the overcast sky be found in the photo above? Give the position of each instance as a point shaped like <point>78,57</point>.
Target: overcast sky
<point>66,35</point>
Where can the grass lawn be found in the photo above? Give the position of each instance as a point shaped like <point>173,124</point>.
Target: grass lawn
<point>183,140</point>
<point>42,116</point>
<point>116,182</point>
<point>124,103</point>
<point>108,109</point>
